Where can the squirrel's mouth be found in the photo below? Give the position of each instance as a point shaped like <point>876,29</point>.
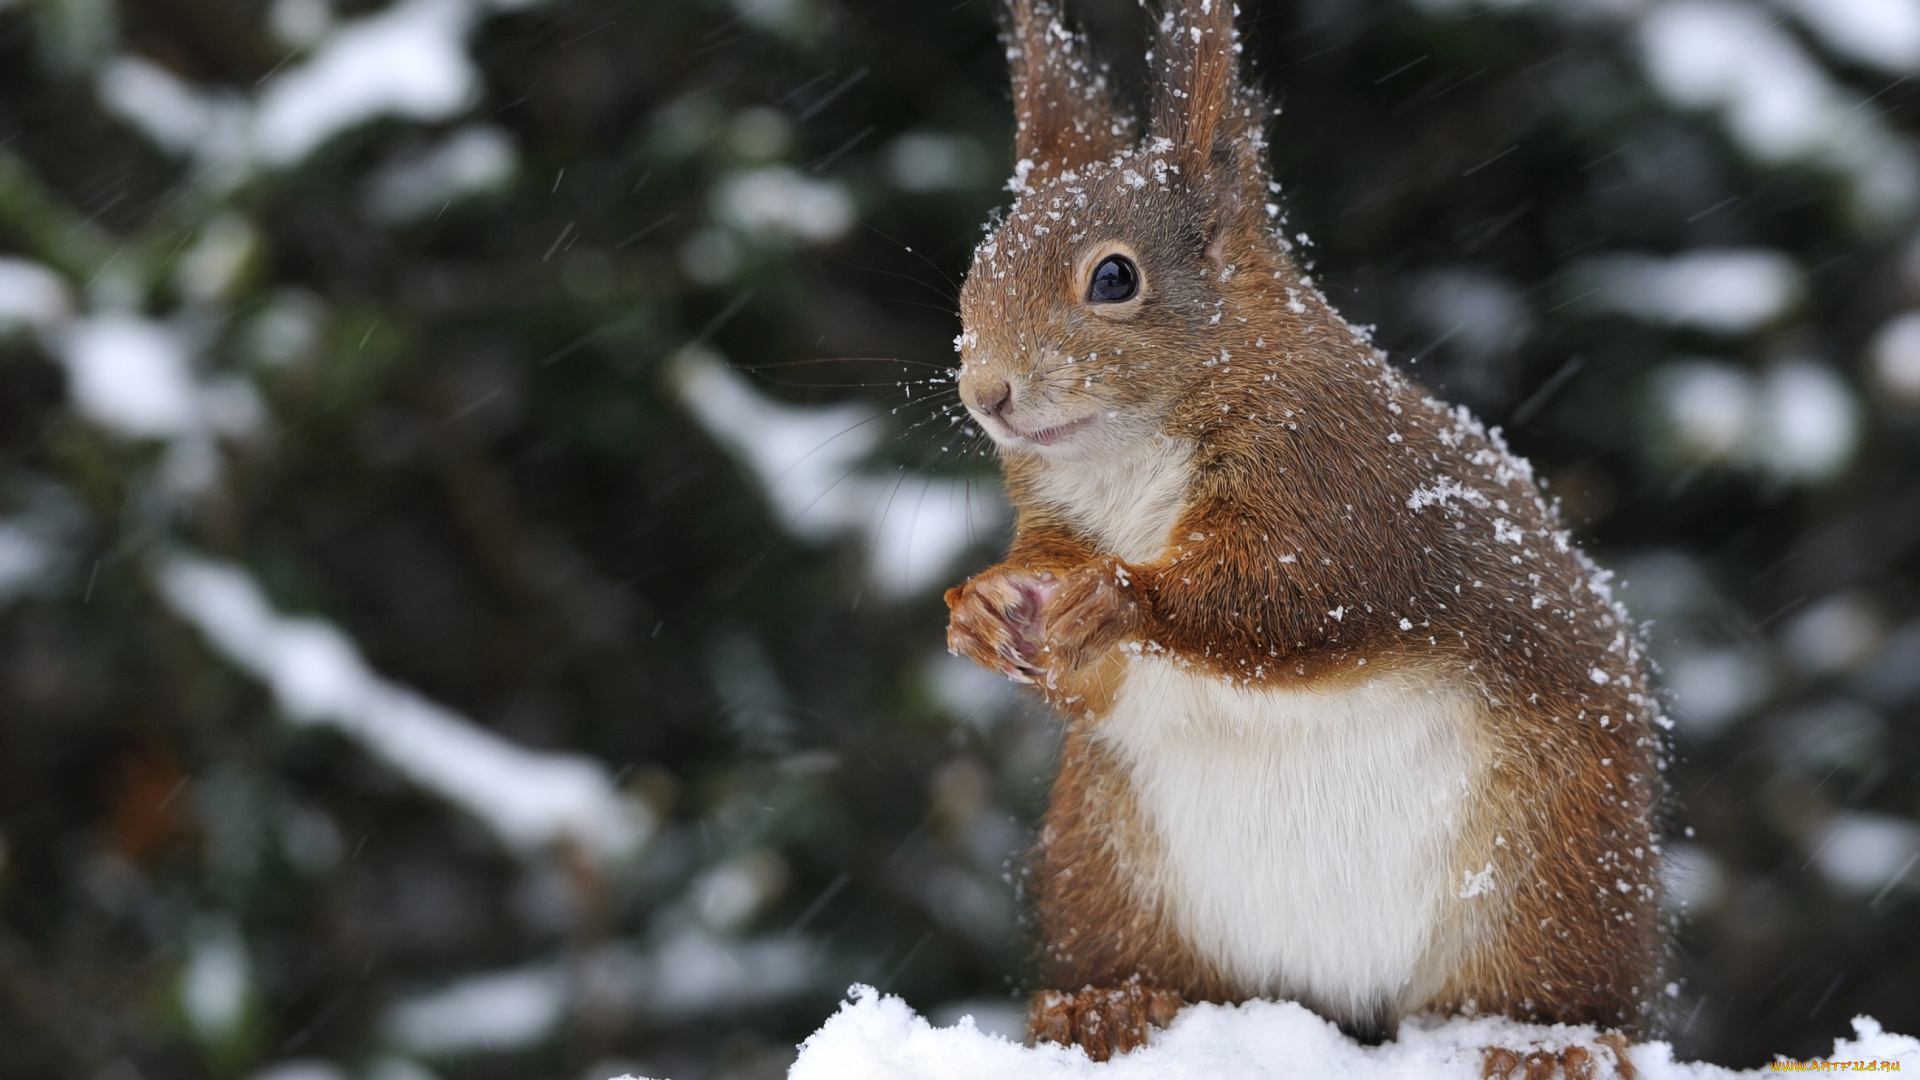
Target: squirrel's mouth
<point>1049,436</point>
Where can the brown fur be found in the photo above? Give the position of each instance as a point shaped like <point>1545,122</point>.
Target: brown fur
<point>1322,481</point>
<point>1062,103</point>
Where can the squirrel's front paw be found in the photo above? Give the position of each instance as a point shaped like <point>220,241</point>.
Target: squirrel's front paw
<point>1102,1022</point>
<point>1090,612</point>
<point>996,621</point>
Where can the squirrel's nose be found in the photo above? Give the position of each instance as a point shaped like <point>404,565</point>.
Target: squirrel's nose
<point>990,397</point>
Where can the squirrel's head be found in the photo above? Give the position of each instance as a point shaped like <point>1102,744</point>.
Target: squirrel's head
<point>1125,263</point>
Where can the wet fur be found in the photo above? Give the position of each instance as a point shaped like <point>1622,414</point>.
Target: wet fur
<point>1336,534</point>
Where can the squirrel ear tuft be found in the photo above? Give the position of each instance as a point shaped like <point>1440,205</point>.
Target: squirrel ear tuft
<point>1062,100</point>
<point>1214,123</point>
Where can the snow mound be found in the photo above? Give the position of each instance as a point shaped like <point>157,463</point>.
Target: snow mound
<point>875,1035</point>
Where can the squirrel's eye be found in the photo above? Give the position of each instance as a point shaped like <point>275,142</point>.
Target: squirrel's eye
<point>1115,280</point>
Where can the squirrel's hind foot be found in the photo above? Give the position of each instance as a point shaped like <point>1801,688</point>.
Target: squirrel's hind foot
<point>1102,1022</point>
<point>1572,1063</point>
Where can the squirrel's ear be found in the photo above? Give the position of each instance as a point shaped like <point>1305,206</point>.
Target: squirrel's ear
<point>1062,104</point>
<point>1199,104</point>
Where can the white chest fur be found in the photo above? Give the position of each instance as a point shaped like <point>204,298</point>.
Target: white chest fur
<point>1125,496</point>
<point>1308,840</point>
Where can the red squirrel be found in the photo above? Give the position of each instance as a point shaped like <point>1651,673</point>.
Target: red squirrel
<point>1348,719</point>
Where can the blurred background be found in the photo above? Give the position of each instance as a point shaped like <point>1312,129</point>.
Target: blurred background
<point>477,477</point>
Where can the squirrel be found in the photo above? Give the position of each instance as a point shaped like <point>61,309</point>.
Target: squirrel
<point>1348,719</point>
